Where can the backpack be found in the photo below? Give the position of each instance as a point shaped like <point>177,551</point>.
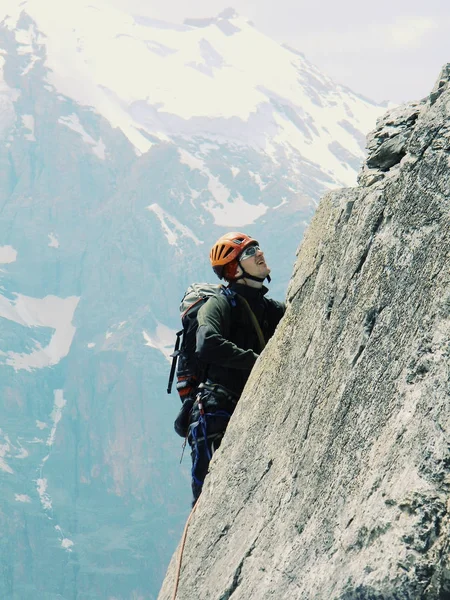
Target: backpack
<point>190,371</point>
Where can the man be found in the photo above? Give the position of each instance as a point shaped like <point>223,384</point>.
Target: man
<point>233,329</point>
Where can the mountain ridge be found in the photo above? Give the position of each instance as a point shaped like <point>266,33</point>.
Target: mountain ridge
<point>217,64</point>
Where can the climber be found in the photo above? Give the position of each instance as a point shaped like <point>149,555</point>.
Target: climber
<point>233,328</point>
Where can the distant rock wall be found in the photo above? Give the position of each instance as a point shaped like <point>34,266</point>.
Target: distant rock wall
<point>333,479</point>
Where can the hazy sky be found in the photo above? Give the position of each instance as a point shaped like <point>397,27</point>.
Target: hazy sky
<point>386,49</point>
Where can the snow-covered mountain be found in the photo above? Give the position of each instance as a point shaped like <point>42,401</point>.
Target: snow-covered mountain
<point>127,145</point>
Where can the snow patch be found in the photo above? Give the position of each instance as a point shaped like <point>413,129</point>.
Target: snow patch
<point>40,425</point>
<point>41,487</point>
<point>51,311</point>
<point>233,212</point>
<point>53,240</point>
<point>7,254</point>
<point>11,11</point>
<point>22,498</point>
<point>171,227</point>
<point>25,38</point>
<point>226,212</point>
<point>282,203</point>
<point>59,404</point>
<point>194,195</point>
<point>73,123</point>
<point>190,160</point>
<point>161,339</point>
<point>257,179</point>
<point>28,123</point>
<point>23,452</point>
<point>4,451</point>
<point>33,60</point>
<point>7,99</point>
<point>10,450</point>
<point>65,542</point>
<point>91,345</point>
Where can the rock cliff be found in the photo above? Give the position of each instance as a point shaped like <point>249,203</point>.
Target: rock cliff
<point>333,478</point>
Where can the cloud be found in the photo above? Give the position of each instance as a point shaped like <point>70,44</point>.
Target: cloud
<point>409,32</point>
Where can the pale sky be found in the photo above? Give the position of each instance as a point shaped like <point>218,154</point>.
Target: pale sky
<point>385,50</point>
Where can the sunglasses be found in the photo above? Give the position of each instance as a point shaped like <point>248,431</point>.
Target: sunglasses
<point>249,252</point>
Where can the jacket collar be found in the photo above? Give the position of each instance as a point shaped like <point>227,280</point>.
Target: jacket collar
<point>249,293</point>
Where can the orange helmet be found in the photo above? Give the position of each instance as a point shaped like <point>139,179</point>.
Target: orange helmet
<point>225,253</point>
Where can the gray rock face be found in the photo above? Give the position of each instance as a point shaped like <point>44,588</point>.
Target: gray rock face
<point>333,478</point>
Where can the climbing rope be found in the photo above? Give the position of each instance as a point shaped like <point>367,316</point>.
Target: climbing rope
<point>180,553</point>
<point>194,433</point>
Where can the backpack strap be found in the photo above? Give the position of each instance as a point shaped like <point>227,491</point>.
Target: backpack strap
<point>229,295</point>
<point>254,320</point>
<point>174,356</point>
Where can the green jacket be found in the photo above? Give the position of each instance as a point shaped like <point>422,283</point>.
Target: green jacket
<point>227,341</point>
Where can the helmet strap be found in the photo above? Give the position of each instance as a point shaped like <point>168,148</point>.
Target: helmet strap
<point>246,275</point>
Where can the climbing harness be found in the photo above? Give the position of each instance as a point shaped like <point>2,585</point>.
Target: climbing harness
<point>201,427</point>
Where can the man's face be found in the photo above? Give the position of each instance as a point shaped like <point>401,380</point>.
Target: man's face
<point>255,264</point>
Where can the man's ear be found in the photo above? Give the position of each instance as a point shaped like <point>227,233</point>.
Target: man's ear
<point>239,272</point>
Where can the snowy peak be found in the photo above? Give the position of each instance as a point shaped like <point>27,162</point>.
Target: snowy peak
<point>218,78</point>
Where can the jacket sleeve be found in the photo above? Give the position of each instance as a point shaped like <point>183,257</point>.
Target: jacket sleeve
<point>212,343</point>
<point>275,311</point>
<point>279,308</point>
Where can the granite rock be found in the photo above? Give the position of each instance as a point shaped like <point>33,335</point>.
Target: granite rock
<point>333,478</point>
